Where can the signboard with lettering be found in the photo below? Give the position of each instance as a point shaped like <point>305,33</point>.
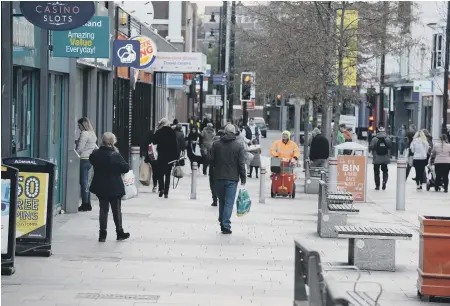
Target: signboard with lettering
<point>58,15</point>
<point>34,205</point>
<point>148,51</point>
<point>89,41</point>
<point>352,175</point>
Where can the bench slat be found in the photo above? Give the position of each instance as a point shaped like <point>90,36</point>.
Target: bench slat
<point>372,231</point>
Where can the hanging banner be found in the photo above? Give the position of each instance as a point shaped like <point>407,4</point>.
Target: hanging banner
<point>88,41</point>
<point>352,175</point>
<point>9,205</point>
<point>350,51</point>
<point>34,214</point>
<point>126,53</point>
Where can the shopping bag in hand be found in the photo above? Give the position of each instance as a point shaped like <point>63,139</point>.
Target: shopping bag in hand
<point>152,153</point>
<point>130,186</point>
<point>145,174</point>
<point>243,202</point>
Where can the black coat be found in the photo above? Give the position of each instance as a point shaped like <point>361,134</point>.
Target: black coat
<point>166,140</point>
<point>109,166</point>
<point>320,148</point>
<point>180,140</point>
<point>191,146</point>
<point>205,123</point>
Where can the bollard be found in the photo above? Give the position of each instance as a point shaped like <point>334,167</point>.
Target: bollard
<point>401,184</point>
<point>135,160</point>
<point>262,185</point>
<point>194,181</point>
<point>332,174</point>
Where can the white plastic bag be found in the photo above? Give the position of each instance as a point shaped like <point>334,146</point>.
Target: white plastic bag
<point>152,152</point>
<point>130,186</point>
<point>196,151</point>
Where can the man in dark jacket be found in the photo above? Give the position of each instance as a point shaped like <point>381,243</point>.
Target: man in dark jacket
<point>206,121</point>
<point>380,147</point>
<point>319,150</point>
<point>167,147</point>
<point>181,139</point>
<point>228,159</point>
<point>212,181</point>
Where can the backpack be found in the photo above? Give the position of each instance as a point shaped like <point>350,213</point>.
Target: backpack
<point>381,148</point>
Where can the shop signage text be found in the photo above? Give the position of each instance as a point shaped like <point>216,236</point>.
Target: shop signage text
<point>58,15</point>
<point>89,41</point>
<point>147,52</point>
<point>187,62</point>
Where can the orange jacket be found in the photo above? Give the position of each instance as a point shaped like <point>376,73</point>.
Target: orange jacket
<point>285,150</point>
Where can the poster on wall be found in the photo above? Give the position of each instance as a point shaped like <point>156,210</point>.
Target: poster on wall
<point>352,175</point>
<point>32,200</point>
<point>6,203</point>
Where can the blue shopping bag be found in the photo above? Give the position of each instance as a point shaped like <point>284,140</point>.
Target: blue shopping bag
<point>243,203</point>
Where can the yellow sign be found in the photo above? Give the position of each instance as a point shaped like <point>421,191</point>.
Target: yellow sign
<point>350,49</point>
<point>32,198</point>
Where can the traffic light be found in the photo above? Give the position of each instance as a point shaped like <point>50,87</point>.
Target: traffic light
<point>371,128</point>
<point>246,85</point>
<point>278,100</point>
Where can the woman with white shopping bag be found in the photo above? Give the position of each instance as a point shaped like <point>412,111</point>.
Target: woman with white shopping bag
<point>107,184</point>
<point>193,149</point>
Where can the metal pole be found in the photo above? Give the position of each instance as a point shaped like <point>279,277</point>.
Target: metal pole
<point>262,185</point>
<point>332,173</point>
<point>135,161</point>
<point>232,48</point>
<point>194,181</point>
<point>201,97</point>
<point>227,63</point>
<point>297,122</point>
<point>401,184</point>
<point>447,62</point>
<point>283,115</point>
<point>382,66</point>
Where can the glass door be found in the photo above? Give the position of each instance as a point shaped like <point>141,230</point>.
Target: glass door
<point>56,128</point>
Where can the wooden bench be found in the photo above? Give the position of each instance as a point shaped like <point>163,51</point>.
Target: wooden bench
<point>371,248</point>
<point>309,273</point>
<point>333,208</point>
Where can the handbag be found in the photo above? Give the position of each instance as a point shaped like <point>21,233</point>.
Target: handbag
<point>243,203</point>
<point>196,151</point>
<point>145,174</point>
<point>130,186</point>
<point>152,153</point>
<point>249,158</point>
<point>177,173</point>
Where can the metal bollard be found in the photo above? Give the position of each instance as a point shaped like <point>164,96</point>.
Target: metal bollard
<point>194,181</point>
<point>332,174</point>
<point>401,184</point>
<point>135,160</point>
<point>262,185</point>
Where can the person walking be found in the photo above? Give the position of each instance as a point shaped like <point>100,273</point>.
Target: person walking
<point>85,145</point>
<point>255,149</point>
<point>251,131</point>
<point>419,147</point>
<point>193,148</point>
<point>207,137</point>
<point>441,157</point>
<point>153,163</point>
<point>381,146</point>
<point>107,184</point>
<point>410,137</point>
<point>181,139</point>
<point>212,180</point>
<point>228,159</point>
<point>207,120</point>
<point>168,151</point>
<point>319,151</point>
<point>401,138</point>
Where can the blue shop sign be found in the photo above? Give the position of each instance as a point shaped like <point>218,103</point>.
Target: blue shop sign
<point>88,41</point>
<point>175,80</point>
<point>126,53</point>
<point>58,15</point>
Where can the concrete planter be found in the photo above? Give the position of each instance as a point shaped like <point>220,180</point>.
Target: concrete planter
<point>434,256</point>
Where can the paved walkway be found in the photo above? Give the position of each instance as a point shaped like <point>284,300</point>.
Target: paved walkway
<point>177,255</point>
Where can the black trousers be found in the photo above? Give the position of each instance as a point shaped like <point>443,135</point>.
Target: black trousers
<point>419,165</point>
<point>442,171</point>
<point>212,184</point>
<point>154,165</point>
<point>116,208</point>
<point>376,170</point>
<point>164,172</point>
<point>256,170</point>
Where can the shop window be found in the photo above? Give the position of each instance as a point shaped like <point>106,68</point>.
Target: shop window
<point>57,96</point>
<point>161,9</point>
<point>437,53</point>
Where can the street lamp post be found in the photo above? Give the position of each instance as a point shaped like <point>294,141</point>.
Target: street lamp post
<point>446,63</point>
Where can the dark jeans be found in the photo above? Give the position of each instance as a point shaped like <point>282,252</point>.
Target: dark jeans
<point>256,170</point>
<point>226,192</point>
<point>419,165</point>
<point>442,171</point>
<point>116,208</point>
<point>376,170</point>
<point>164,172</point>
<point>85,166</point>
<point>205,168</point>
<point>154,165</point>
<point>212,184</point>
<point>401,147</point>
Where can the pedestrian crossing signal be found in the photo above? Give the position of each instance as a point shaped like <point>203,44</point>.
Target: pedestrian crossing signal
<point>246,85</point>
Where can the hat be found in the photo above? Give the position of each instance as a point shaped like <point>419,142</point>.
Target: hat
<point>380,129</point>
<point>230,129</point>
<point>286,133</point>
<point>163,122</point>
<point>209,125</point>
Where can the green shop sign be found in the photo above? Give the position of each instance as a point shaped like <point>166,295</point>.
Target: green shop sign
<point>88,41</point>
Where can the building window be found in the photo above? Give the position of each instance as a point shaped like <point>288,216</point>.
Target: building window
<point>161,9</point>
<point>437,51</point>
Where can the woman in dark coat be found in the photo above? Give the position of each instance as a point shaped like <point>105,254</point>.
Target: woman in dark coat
<point>193,148</point>
<point>168,151</point>
<point>107,184</point>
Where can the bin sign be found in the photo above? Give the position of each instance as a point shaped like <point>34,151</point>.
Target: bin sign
<point>58,15</point>
<point>148,51</point>
<point>352,175</point>
<point>34,205</point>
<point>9,206</point>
